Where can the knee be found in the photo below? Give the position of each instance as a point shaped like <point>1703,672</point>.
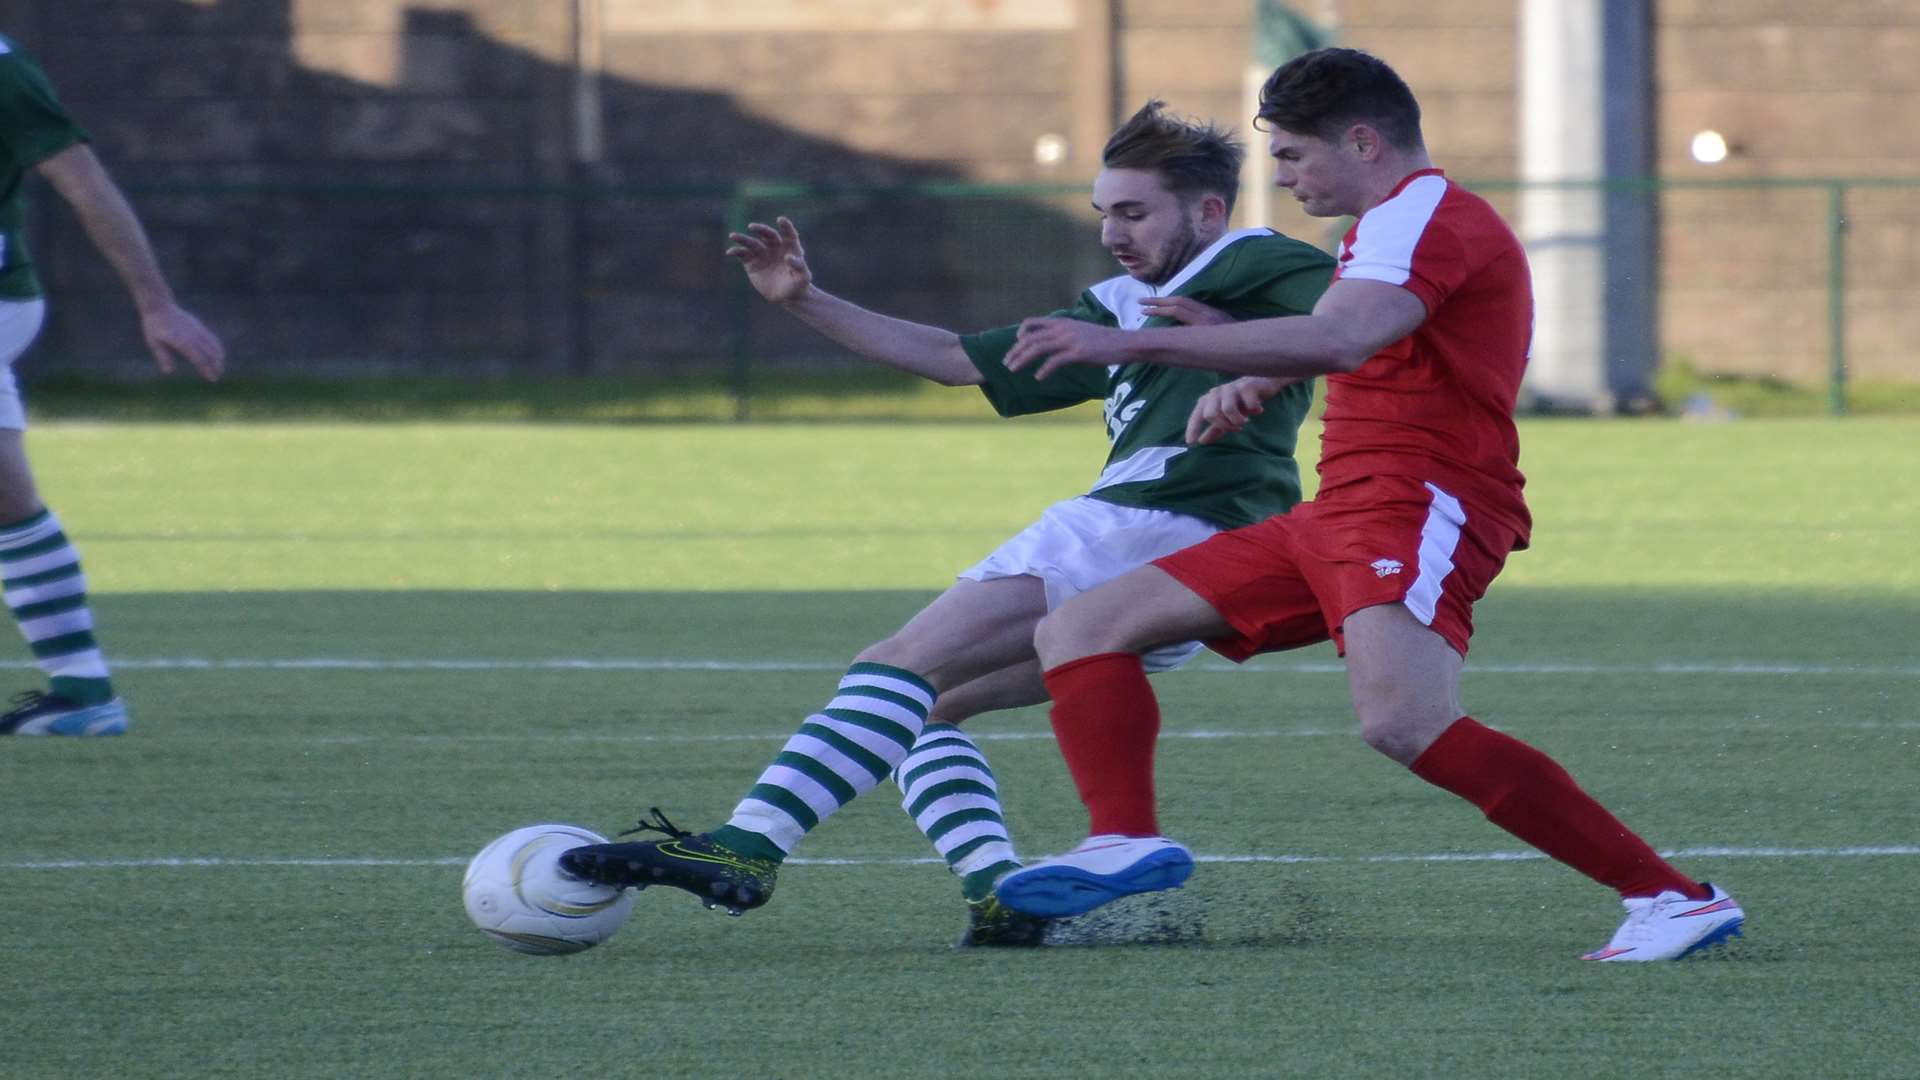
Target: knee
<point>1048,638</point>
<point>1386,710</point>
<point>1386,732</point>
<point>1070,633</point>
<point>18,503</point>
<point>948,709</point>
<point>1403,734</point>
<point>1060,637</point>
<point>893,652</point>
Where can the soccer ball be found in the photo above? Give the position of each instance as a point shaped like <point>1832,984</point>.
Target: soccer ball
<point>516,893</point>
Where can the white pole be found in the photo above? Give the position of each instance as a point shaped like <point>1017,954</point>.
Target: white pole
<point>1254,206</point>
<point>1562,139</point>
<point>589,133</point>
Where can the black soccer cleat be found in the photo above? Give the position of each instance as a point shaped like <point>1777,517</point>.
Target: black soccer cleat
<point>37,713</point>
<point>718,875</point>
<point>992,924</point>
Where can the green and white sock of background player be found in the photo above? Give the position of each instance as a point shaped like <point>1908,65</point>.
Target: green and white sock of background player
<point>845,749</point>
<point>47,594</point>
<point>948,790</point>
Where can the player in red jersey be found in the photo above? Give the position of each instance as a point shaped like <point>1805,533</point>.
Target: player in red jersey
<point>1423,337</point>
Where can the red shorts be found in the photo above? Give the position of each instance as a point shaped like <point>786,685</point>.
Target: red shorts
<point>1293,579</point>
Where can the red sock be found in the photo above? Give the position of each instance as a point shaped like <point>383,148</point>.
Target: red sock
<point>1528,794</point>
<point>1106,719</point>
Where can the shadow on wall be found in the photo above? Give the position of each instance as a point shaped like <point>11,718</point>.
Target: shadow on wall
<point>436,222</point>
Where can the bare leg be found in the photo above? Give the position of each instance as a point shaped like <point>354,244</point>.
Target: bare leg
<point>861,736</point>
<point>973,629</point>
<point>1141,609</point>
<point>1012,687</point>
<point>881,707</point>
<point>1405,681</point>
<point>19,498</point>
<point>1406,690</point>
<point>946,784</point>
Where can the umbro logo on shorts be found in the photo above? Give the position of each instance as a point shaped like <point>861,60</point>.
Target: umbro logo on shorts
<point>1385,567</point>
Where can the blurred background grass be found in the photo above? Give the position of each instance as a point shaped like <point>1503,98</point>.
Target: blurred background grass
<point>829,396</point>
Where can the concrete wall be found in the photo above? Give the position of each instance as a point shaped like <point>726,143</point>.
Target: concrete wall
<point>370,186</point>
<point>474,110</point>
<point>252,97</point>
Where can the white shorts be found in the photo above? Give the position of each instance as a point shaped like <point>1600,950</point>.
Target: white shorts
<point>19,324</point>
<point>1083,542</point>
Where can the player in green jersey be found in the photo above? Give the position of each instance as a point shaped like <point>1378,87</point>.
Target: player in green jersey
<point>1164,198</point>
<point>44,587</point>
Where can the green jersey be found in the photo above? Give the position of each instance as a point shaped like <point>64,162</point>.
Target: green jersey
<point>1245,477</point>
<point>33,128</point>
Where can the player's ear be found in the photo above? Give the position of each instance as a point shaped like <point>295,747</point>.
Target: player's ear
<point>1364,140</point>
<point>1213,209</point>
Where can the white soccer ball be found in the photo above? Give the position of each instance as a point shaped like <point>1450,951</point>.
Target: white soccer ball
<point>516,893</point>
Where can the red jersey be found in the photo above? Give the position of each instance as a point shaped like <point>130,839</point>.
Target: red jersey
<point>1438,404</point>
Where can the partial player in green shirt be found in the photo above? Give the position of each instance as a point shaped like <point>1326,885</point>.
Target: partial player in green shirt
<point>1247,274</point>
<point>45,590</point>
<point>1164,198</point>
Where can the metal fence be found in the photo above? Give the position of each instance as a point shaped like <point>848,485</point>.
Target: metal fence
<point>1801,281</point>
<point>1776,249</point>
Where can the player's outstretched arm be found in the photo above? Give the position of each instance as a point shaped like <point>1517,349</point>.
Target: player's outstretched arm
<point>172,333</point>
<point>776,264</point>
<point>1352,321</point>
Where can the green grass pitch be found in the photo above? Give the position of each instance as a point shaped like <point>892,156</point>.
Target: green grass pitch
<point>357,653</point>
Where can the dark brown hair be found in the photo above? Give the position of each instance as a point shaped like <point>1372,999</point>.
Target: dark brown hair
<point>1324,92</point>
<point>1190,156</point>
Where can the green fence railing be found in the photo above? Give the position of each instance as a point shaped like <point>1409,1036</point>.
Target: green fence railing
<point>1835,191</point>
<point>1833,231</point>
<point>564,279</point>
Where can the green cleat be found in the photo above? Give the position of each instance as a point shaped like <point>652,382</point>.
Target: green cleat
<point>992,924</point>
<point>718,875</point>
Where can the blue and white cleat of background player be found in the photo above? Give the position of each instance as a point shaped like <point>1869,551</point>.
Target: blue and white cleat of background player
<point>1670,926</point>
<point>1099,871</point>
<point>37,713</point>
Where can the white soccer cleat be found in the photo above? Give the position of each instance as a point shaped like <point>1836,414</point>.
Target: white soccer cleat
<point>1670,926</point>
<point>1101,870</point>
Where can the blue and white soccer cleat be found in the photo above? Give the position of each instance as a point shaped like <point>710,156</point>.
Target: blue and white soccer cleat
<point>1101,870</point>
<point>37,713</point>
<point>1670,926</point>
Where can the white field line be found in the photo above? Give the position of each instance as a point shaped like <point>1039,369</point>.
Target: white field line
<point>214,862</point>
<point>695,738</point>
<point>342,663</point>
<point>772,736</point>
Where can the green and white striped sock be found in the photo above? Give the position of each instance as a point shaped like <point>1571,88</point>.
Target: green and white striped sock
<point>845,749</point>
<point>948,790</point>
<point>47,594</point>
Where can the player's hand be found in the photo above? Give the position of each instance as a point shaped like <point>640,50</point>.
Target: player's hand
<point>173,334</point>
<point>1054,343</point>
<point>1184,310</point>
<point>776,264</point>
<point>1229,407</point>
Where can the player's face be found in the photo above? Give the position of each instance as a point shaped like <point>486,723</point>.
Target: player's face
<point>1323,176</point>
<point>1151,231</point>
